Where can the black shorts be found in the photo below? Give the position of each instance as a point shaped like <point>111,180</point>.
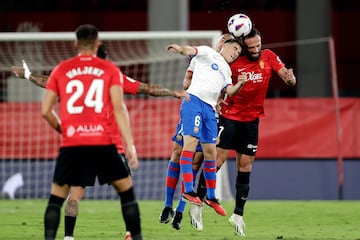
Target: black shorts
<point>239,136</point>
<point>80,165</point>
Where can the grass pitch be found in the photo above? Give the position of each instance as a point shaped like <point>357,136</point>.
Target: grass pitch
<point>288,220</point>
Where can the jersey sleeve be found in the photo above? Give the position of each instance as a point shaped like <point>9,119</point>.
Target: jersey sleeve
<point>275,61</point>
<point>131,86</point>
<point>52,83</point>
<point>117,76</point>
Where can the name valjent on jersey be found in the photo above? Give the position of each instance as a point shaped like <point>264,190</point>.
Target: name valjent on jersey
<point>86,70</point>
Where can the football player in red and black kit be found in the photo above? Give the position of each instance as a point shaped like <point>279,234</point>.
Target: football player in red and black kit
<point>90,90</point>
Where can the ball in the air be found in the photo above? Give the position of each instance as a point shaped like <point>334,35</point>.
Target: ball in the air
<point>239,25</point>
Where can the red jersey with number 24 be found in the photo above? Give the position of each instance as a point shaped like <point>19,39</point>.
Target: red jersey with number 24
<point>83,85</point>
<point>248,103</point>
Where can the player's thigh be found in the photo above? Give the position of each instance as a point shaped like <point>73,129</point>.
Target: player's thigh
<point>221,156</point>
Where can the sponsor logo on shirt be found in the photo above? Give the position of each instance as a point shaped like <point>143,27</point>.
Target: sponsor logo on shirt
<point>215,66</point>
<point>85,130</point>
<point>254,77</point>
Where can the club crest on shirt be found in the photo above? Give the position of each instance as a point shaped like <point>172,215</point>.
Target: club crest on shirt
<point>261,64</point>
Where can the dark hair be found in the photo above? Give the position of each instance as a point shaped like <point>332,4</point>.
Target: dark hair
<point>86,34</point>
<point>102,51</point>
<point>253,32</point>
<point>232,40</point>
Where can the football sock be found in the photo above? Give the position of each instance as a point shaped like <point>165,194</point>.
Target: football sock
<point>70,222</point>
<point>186,159</point>
<point>71,212</point>
<point>172,177</point>
<point>210,177</point>
<point>52,216</point>
<point>131,212</point>
<point>181,203</point>
<point>201,188</point>
<point>242,191</point>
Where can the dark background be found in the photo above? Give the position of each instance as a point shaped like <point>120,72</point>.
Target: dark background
<point>275,18</point>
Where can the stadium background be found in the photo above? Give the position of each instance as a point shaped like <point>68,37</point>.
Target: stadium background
<point>288,166</point>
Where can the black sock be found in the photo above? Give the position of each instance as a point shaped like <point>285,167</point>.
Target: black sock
<point>131,213</point>
<point>70,222</point>
<point>52,216</point>
<point>242,191</point>
<point>201,188</point>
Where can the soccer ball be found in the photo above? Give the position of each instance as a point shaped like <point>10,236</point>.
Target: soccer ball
<point>239,25</point>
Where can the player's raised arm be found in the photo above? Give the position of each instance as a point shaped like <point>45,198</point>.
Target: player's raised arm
<point>159,91</point>
<point>183,50</point>
<point>231,90</point>
<point>25,73</point>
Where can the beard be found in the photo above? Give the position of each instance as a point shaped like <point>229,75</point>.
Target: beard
<point>252,57</point>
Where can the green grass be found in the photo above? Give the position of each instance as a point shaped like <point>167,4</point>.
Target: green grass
<point>289,220</point>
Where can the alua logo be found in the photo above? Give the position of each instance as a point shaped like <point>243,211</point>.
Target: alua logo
<point>89,128</point>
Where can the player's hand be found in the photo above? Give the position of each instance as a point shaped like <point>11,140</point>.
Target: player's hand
<point>132,157</point>
<point>173,48</point>
<point>290,77</point>
<point>242,78</point>
<point>18,71</point>
<point>219,105</point>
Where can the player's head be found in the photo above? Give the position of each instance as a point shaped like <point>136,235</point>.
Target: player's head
<point>252,45</point>
<point>231,50</point>
<point>86,37</point>
<point>102,51</point>
<point>221,40</point>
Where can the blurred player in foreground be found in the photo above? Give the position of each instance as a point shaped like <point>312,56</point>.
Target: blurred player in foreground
<point>239,119</point>
<point>91,94</point>
<point>173,169</point>
<point>211,76</point>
